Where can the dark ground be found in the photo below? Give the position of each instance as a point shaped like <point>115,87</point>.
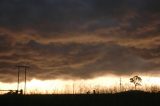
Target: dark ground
<point>130,98</point>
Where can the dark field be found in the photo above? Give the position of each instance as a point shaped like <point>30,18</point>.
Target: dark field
<point>131,98</point>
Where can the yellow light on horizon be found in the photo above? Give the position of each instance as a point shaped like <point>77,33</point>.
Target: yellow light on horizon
<point>70,86</point>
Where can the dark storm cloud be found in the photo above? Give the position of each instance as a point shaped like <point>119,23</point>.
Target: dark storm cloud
<point>79,39</point>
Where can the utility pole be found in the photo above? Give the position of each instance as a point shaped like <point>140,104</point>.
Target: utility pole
<point>73,88</point>
<point>24,67</point>
<point>18,78</point>
<point>120,84</point>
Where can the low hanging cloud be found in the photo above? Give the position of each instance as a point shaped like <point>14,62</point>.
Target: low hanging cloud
<point>71,39</point>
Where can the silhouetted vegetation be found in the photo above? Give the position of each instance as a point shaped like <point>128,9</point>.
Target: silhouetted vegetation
<point>136,80</point>
<point>90,97</point>
<point>130,98</point>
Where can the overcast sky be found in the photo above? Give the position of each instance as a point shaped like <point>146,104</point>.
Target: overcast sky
<point>79,39</point>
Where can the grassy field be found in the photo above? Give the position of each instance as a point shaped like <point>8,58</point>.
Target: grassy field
<point>130,98</point>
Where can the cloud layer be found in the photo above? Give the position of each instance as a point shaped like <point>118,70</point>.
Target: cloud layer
<point>73,39</point>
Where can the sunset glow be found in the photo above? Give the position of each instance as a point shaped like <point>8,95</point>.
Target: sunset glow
<point>82,86</point>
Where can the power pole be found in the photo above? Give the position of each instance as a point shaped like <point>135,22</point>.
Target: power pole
<point>18,78</point>
<point>25,76</point>
<point>73,88</point>
<point>120,84</point>
<point>24,67</point>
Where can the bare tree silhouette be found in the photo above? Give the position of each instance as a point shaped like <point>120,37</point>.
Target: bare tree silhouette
<point>136,80</point>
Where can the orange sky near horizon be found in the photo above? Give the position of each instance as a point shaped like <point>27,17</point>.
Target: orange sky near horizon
<point>107,83</point>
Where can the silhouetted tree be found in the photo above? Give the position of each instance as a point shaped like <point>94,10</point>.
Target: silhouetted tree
<point>94,91</point>
<point>136,80</point>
